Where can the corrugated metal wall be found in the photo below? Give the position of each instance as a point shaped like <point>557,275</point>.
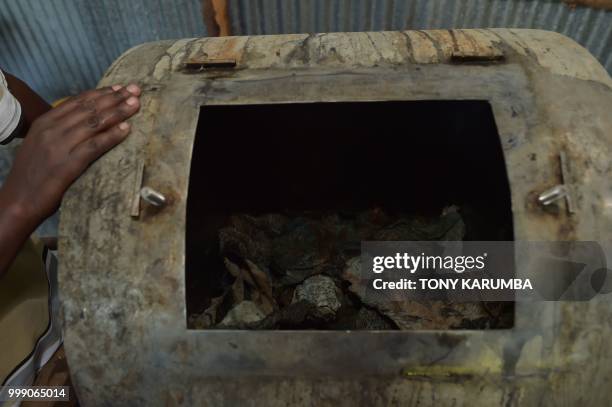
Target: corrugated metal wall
<point>591,28</point>
<point>61,47</point>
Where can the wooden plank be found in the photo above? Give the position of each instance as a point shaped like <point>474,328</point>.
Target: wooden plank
<point>216,18</point>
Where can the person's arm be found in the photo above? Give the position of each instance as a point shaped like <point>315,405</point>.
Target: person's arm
<point>16,225</point>
<point>59,146</point>
<point>32,104</point>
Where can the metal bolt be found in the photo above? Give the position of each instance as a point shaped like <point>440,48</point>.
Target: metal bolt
<point>153,197</point>
<point>553,194</point>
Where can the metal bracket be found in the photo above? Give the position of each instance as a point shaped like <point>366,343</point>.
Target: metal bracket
<point>559,191</point>
<point>565,178</point>
<point>195,65</point>
<point>480,56</point>
<point>135,207</point>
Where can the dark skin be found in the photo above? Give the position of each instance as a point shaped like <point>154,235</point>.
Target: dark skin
<point>59,146</point>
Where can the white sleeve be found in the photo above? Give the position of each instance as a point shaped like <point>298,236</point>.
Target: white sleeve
<point>10,111</point>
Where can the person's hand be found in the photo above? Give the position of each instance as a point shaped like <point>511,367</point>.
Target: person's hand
<point>62,143</point>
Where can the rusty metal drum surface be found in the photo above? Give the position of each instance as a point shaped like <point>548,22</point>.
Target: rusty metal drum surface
<point>122,277</point>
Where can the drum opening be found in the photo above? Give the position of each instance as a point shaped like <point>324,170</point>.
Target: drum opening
<point>281,195</point>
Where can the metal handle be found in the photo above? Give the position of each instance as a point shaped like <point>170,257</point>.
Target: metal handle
<point>553,194</point>
<point>153,197</point>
